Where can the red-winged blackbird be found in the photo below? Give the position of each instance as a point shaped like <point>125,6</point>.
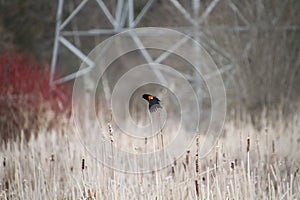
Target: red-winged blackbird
<point>153,102</point>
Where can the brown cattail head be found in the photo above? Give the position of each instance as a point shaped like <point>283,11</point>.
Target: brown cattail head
<point>82,164</point>
<point>173,171</point>
<point>232,165</point>
<point>187,157</point>
<point>52,158</point>
<point>175,162</point>
<point>273,146</point>
<point>110,132</point>
<point>197,163</point>
<point>197,188</point>
<point>248,144</point>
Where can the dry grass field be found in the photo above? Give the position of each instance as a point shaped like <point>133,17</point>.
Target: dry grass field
<point>247,162</point>
<point>255,44</point>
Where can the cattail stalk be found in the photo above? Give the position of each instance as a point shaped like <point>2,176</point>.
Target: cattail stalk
<point>155,123</point>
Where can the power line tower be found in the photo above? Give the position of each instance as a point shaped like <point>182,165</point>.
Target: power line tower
<point>125,17</point>
<point>205,21</point>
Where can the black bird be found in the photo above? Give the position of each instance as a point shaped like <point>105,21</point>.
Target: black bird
<point>153,102</point>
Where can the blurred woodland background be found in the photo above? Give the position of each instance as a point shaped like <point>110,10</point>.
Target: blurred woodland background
<point>266,71</point>
<point>255,45</point>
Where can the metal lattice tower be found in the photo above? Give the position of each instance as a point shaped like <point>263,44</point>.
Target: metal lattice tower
<point>200,10</point>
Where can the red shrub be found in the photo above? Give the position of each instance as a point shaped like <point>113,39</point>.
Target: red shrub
<point>26,98</point>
